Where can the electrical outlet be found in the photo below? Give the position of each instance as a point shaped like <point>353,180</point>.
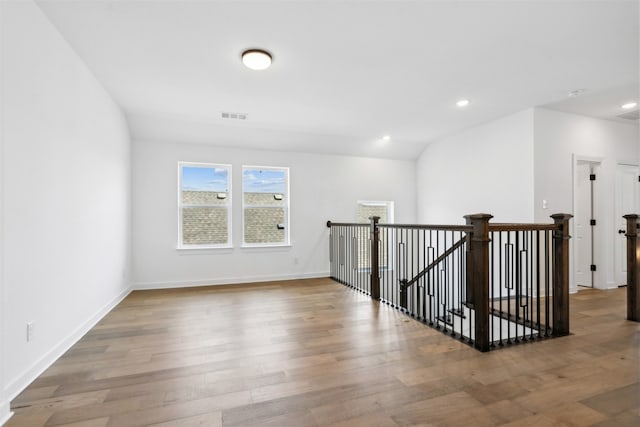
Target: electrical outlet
<point>544,204</point>
<point>30,331</point>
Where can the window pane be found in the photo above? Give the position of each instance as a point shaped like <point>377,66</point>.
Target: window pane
<point>190,197</point>
<point>264,199</point>
<point>367,211</point>
<point>265,205</point>
<point>204,185</point>
<point>272,181</point>
<point>204,204</point>
<point>264,225</point>
<point>204,226</point>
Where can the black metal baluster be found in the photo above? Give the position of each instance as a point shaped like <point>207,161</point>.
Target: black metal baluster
<point>416,267</point>
<point>431,279</point>
<point>423,279</point>
<point>492,285</point>
<point>365,264</point>
<point>347,263</point>
<point>517,283</point>
<point>531,279</point>
<point>456,257</point>
<point>538,283</point>
<point>385,276</point>
<point>510,279</point>
<point>365,285</point>
<point>548,297</point>
<point>405,261</point>
<point>500,281</point>
<point>466,278</point>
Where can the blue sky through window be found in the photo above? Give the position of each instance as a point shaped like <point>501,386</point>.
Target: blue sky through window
<point>264,181</point>
<point>205,179</point>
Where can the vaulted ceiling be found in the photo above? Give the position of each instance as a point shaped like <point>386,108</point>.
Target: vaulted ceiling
<point>345,73</point>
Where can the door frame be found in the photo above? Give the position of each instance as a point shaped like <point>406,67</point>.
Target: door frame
<point>597,242</point>
<point>635,164</point>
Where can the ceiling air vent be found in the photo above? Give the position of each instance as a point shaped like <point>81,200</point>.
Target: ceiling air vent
<point>235,116</point>
<point>631,115</point>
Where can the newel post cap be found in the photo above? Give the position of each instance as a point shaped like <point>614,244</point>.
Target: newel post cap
<point>479,216</point>
<point>561,217</point>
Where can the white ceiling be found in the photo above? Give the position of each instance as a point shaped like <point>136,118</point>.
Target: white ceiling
<point>345,73</point>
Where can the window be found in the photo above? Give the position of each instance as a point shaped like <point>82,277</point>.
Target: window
<point>365,210</point>
<point>204,203</point>
<point>265,206</point>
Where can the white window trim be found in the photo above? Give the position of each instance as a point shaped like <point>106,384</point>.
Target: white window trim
<point>287,229</point>
<point>229,244</point>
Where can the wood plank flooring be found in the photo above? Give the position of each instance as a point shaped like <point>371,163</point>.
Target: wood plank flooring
<point>316,353</point>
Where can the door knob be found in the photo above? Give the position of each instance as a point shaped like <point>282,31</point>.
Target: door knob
<point>621,231</point>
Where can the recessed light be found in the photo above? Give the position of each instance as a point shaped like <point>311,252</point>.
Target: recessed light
<point>386,138</point>
<point>256,59</point>
<point>462,103</point>
<point>629,105</point>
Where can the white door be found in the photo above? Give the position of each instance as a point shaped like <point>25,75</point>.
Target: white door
<point>627,202</point>
<point>583,244</point>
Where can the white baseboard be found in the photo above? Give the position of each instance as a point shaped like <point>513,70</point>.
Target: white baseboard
<point>18,384</point>
<point>227,281</point>
<point>5,412</point>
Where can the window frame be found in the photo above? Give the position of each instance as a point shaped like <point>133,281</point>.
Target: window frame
<point>287,217</point>
<point>227,205</point>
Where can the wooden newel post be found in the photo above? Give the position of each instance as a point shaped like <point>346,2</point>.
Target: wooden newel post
<point>633,268</point>
<point>561,274</point>
<point>375,245</point>
<point>478,278</point>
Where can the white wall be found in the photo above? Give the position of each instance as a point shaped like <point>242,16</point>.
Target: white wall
<point>323,187</point>
<point>558,138</point>
<point>5,412</point>
<point>487,169</point>
<point>66,215</point>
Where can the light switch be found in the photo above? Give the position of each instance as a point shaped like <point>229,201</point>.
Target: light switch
<point>544,204</point>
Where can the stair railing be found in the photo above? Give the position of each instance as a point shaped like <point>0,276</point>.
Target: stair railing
<point>486,284</point>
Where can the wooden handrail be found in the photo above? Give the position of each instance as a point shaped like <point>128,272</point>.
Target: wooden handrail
<point>431,266</point>
<point>522,227</point>
<point>439,227</point>
<point>347,224</point>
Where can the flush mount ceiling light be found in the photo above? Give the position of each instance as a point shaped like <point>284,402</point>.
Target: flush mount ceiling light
<point>462,103</point>
<point>629,105</point>
<point>386,138</point>
<point>256,59</point>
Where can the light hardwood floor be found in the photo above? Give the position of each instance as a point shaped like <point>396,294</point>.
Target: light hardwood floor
<point>315,353</point>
